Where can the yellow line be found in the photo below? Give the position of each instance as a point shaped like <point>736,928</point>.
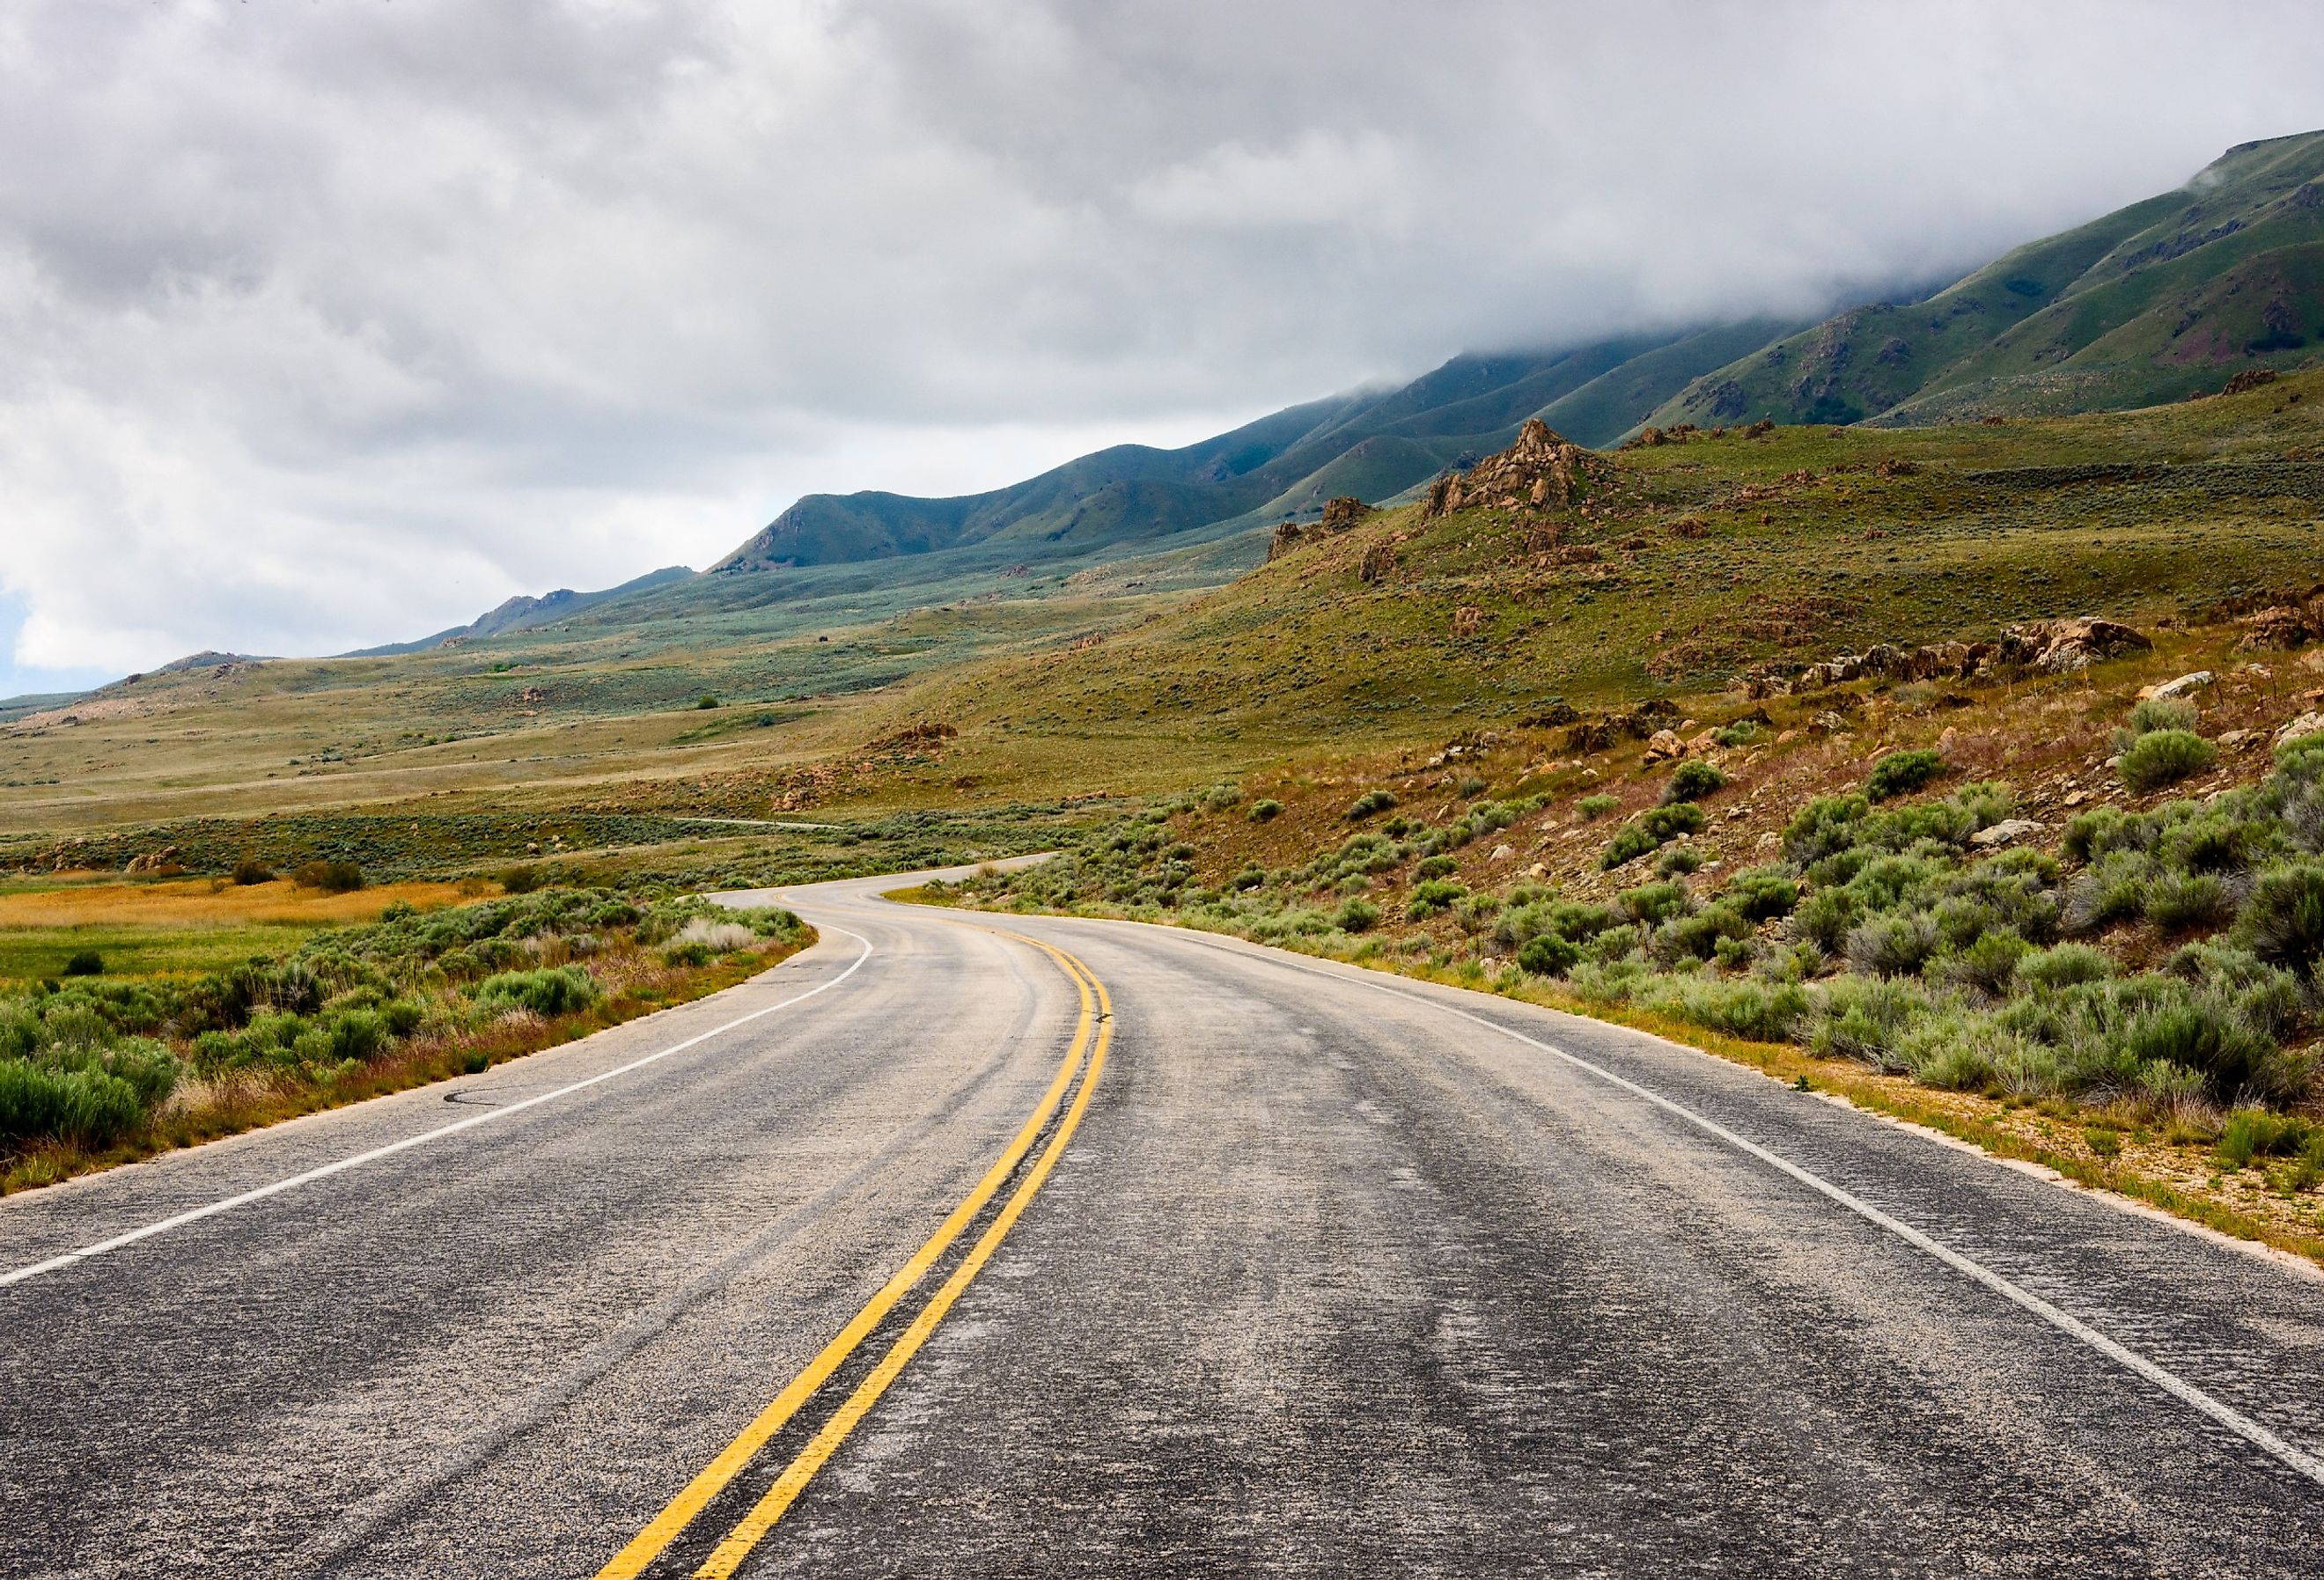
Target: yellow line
<point>650,1543</point>
<point>722,1564</point>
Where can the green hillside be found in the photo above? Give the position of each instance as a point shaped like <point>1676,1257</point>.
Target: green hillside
<point>1373,445</point>
<point>2154,302</point>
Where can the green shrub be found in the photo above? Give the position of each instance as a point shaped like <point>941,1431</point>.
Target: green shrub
<point>2282,921</point>
<point>1476,912</point>
<point>1825,919</point>
<point>1222,796</point>
<point>1248,879</point>
<point>2165,757</point>
<point>1357,916</point>
<point>1699,936</point>
<point>553,990</point>
<point>2202,1032</point>
<point>1762,1011</point>
<point>359,1034</point>
<point>84,963</point>
<point>1437,867</point>
<point>2161,712</point>
<point>2116,888</point>
<point>1863,1018</point>
<point>1764,893</point>
<point>1893,945</point>
<point>1650,831</point>
<point>2212,844</point>
<point>1691,780</point>
<point>1989,964</point>
<point>2103,830</point>
<point>1547,955</point>
<point>520,879</point>
<point>1678,860</point>
<point>86,1106</point>
<point>1593,808</point>
<point>249,870</point>
<point>1741,732</point>
<point>1265,810</point>
<point>2252,1133</point>
<point>1370,801</point>
<point>1902,772</point>
<point>1432,897</point>
<point>1654,903</point>
<point>333,876</point>
<point>706,702</point>
<point>1824,828</point>
<point>2065,966</point>
<point>2182,901</point>
<point>1469,785</point>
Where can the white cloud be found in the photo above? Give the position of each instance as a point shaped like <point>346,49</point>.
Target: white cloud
<point>329,325</point>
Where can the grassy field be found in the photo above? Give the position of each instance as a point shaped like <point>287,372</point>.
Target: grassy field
<point>98,1069</point>
<point>183,927</point>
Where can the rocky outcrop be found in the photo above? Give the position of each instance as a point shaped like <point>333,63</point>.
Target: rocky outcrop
<point>1540,468</point>
<point>164,860</point>
<point>2044,647</point>
<point>2058,647</point>
<point>1642,723</point>
<point>1339,514</point>
<point>2283,625</point>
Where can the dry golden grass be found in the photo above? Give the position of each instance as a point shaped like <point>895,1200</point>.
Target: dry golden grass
<point>205,902</point>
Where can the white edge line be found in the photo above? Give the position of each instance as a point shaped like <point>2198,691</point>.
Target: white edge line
<point>2299,1459</point>
<point>324,1171</point>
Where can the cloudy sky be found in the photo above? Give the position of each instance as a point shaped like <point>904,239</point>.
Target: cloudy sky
<point>330,322</point>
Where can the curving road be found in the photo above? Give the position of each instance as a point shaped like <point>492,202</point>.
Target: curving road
<point>936,1252</point>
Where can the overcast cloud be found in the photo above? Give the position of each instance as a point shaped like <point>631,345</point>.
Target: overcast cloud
<point>330,322</point>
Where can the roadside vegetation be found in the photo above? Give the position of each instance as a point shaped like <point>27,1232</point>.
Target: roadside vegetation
<point>96,1068</point>
<point>1984,891</point>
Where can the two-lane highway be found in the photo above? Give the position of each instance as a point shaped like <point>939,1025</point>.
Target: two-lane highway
<point>980,1245</point>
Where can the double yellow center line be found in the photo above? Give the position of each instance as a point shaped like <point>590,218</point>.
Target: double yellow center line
<point>1086,1058</point>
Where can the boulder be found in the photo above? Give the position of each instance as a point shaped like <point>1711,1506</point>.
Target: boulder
<point>2184,685</point>
<point>2281,626</point>
<point>1343,513</point>
<point>2060,647</point>
<point>164,860</point>
<point>2307,723</point>
<point>2008,831</point>
<point>1288,537</point>
<point>1664,746</point>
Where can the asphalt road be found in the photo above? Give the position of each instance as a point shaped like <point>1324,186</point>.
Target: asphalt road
<point>1319,1273</point>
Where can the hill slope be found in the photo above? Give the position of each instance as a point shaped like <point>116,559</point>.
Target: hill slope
<point>2153,302</point>
<point>1374,445</point>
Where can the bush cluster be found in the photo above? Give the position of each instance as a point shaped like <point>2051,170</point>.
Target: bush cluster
<point>86,1062</point>
<point>1882,934</point>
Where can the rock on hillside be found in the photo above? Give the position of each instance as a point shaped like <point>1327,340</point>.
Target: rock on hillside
<point>1543,467</point>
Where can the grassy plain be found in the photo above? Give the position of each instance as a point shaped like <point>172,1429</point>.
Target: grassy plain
<point>183,927</point>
